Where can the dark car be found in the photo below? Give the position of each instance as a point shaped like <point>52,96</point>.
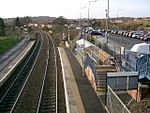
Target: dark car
<point>95,32</point>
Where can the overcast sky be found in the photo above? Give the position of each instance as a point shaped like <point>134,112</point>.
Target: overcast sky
<point>72,8</point>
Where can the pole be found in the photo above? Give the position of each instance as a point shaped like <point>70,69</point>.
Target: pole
<point>106,32</point>
<point>89,11</point>
<point>83,57</point>
<point>108,8</point>
<point>147,66</point>
<point>80,15</point>
<point>107,22</point>
<point>68,33</point>
<point>80,19</point>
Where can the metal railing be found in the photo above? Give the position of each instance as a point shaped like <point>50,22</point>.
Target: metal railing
<point>114,104</point>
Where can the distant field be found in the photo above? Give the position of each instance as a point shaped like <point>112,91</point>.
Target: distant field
<point>7,43</point>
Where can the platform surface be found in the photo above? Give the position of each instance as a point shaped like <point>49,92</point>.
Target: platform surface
<point>80,96</point>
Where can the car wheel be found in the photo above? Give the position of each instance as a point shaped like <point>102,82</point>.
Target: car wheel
<point>148,39</point>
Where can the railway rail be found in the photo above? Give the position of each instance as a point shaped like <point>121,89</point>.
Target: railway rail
<point>10,92</point>
<point>37,88</point>
<point>48,96</point>
<point>51,101</point>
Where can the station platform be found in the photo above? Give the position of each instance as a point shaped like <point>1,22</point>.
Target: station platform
<point>8,56</point>
<point>80,96</point>
<point>10,64</point>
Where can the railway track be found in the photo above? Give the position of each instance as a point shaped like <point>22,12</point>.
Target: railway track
<point>39,90</point>
<point>10,92</point>
<point>48,96</point>
<point>52,94</point>
<point>30,100</point>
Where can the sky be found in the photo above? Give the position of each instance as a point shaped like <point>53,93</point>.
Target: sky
<point>73,8</point>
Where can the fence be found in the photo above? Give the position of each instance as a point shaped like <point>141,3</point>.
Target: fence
<point>3,38</point>
<point>98,54</point>
<point>114,104</point>
<point>8,37</point>
<point>124,58</point>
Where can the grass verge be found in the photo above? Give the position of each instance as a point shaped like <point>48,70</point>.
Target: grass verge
<point>8,43</point>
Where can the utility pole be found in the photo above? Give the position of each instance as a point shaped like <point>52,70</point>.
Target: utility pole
<point>107,22</point>
<point>80,15</point>
<point>106,32</point>
<point>89,11</point>
<point>108,8</point>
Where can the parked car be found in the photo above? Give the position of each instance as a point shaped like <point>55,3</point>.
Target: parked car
<point>136,35</point>
<point>142,37</point>
<point>95,32</point>
<point>147,37</point>
<point>131,33</point>
<point>127,34</point>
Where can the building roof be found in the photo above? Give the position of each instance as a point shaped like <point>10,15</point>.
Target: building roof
<point>141,48</point>
<point>83,43</point>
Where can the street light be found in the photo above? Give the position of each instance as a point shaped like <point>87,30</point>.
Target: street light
<point>119,10</point>
<point>89,10</point>
<point>80,14</point>
<point>108,8</point>
<point>107,22</point>
<point>106,32</point>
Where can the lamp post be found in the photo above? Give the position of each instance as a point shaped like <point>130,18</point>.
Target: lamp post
<point>106,36</point>
<point>119,10</point>
<point>80,16</point>
<point>107,22</point>
<point>68,33</point>
<point>106,32</point>
<point>89,11</point>
<point>108,8</point>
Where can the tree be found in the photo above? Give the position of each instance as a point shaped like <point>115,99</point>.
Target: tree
<point>95,23</point>
<point>17,22</point>
<point>25,20</point>
<point>60,21</point>
<point>2,27</point>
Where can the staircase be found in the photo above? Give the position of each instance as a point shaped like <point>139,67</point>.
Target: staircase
<point>101,76</point>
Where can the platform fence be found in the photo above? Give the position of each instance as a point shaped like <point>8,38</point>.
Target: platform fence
<point>114,104</point>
